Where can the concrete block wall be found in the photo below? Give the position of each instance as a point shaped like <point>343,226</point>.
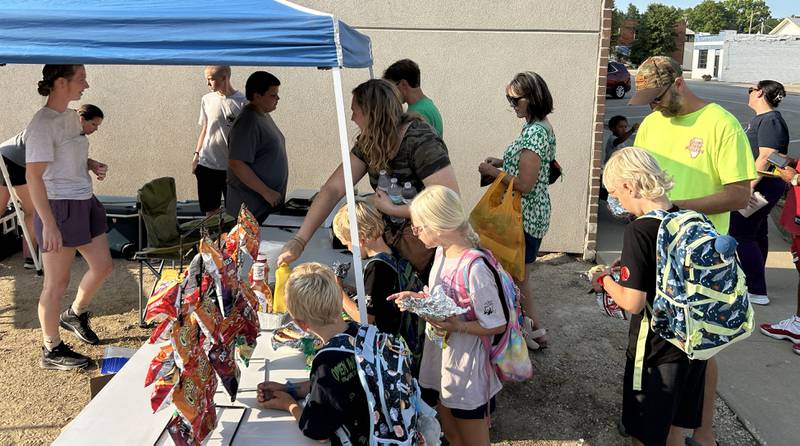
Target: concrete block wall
<point>468,52</point>
<point>754,60</point>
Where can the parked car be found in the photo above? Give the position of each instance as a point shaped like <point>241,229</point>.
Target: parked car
<point>618,81</point>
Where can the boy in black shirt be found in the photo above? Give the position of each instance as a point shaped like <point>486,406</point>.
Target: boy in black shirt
<point>671,395</point>
<point>335,403</point>
<point>380,279</point>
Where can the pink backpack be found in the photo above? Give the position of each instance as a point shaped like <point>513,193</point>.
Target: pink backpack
<point>508,352</point>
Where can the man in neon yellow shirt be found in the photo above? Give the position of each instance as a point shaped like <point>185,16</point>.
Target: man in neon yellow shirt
<point>704,148</point>
<point>405,74</point>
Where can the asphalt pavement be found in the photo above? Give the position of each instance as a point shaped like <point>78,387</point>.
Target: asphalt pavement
<point>760,376</point>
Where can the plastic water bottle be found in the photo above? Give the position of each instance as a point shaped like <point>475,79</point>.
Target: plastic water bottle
<point>383,181</point>
<point>396,195</point>
<point>408,192</point>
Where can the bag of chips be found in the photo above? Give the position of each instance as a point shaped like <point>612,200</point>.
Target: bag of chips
<point>222,359</point>
<point>162,388</point>
<point>161,303</point>
<point>160,366</point>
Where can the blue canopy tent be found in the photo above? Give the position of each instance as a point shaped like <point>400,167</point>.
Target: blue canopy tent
<point>191,32</point>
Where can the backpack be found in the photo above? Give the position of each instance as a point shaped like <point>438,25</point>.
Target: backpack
<point>701,303</point>
<point>508,352</point>
<point>412,327</point>
<point>396,409</point>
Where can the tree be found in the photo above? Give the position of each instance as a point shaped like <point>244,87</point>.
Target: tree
<point>616,23</point>
<point>745,13</point>
<point>632,12</point>
<point>656,34</point>
<point>709,17</point>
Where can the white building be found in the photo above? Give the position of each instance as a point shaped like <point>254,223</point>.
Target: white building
<point>790,26</point>
<point>732,57</point>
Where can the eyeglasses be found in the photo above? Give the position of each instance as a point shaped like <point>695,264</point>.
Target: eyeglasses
<point>660,97</point>
<point>752,89</point>
<point>514,100</point>
<point>416,230</point>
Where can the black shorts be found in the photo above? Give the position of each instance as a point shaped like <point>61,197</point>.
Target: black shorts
<point>671,395</point>
<point>478,413</point>
<point>16,173</point>
<point>532,245</point>
<point>431,398</point>
<point>211,187</point>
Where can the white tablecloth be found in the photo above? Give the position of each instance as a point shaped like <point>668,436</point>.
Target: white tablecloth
<point>121,415</point>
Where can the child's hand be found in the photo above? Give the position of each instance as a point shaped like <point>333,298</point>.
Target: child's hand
<point>596,276</point>
<point>407,295</point>
<point>451,324</point>
<point>276,400</point>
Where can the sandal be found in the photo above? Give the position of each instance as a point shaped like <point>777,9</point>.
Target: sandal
<point>532,336</point>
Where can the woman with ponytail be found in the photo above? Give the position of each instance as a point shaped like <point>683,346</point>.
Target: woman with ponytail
<point>68,216</point>
<point>768,134</point>
<point>466,386</point>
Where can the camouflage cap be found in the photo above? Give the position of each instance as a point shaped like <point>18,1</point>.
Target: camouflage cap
<point>654,76</point>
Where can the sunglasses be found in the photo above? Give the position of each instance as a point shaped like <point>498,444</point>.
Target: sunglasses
<point>752,89</point>
<point>660,97</point>
<point>514,100</point>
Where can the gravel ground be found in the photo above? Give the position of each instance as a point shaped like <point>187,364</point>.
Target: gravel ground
<point>573,400</point>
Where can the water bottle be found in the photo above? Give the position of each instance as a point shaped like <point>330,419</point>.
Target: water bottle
<point>383,181</point>
<point>408,192</point>
<point>396,195</point>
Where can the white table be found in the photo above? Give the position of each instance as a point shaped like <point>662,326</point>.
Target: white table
<point>121,415</point>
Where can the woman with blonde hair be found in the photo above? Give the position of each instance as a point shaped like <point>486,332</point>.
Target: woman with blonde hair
<point>466,386</point>
<point>527,160</point>
<point>403,146</point>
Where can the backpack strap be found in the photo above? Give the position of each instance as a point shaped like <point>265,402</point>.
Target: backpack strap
<point>641,346</point>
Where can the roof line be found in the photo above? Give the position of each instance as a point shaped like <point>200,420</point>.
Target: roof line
<point>481,30</point>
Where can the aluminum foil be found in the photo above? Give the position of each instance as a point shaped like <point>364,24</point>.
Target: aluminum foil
<point>436,305</point>
<point>340,269</point>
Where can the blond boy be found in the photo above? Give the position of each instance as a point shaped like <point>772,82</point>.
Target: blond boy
<point>334,398</point>
<point>671,395</point>
<point>380,276</point>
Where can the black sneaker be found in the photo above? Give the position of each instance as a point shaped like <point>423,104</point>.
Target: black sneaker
<point>78,325</point>
<point>29,263</point>
<point>62,358</point>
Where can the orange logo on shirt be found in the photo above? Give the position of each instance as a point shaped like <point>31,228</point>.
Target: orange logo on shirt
<point>695,147</point>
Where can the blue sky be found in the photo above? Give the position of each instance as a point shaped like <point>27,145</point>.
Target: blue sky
<point>779,8</point>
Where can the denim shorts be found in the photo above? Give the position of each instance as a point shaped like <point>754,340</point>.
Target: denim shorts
<point>79,221</point>
<point>531,248</point>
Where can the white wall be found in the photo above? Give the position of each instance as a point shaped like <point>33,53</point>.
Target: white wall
<point>754,60</point>
<point>697,72</point>
<point>468,52</point>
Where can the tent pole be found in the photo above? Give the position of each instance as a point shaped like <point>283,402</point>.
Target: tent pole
<point>371,73</point>
<point>349,193</point>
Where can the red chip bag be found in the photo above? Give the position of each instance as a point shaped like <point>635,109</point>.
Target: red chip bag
<point>162,302</point>
<point>162,389</point>
<point>163,327</point>
<point>160,365</point>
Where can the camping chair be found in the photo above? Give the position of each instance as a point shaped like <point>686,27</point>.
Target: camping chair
<point>17,204</point>
<point>156,203</point>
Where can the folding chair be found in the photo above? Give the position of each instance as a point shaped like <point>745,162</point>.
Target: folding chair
<point>156,203</point>
<point>17,204</point>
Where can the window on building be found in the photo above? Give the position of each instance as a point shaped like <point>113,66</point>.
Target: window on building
<point>702,59</point>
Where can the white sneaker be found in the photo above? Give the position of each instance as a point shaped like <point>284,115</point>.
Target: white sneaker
<point>758,299</point>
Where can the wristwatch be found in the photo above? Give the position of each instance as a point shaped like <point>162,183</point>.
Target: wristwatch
<point>795,179</point>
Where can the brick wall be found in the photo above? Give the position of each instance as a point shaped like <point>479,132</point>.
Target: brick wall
<point>590,243</point>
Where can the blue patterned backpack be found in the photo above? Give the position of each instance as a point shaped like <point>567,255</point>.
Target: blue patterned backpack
<point>701,303</point>
<point>397,414</point>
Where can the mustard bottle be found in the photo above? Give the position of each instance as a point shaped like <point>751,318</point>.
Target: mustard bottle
<point>279,298</point>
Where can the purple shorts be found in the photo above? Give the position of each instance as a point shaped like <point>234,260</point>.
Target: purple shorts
<point>78,220</point>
